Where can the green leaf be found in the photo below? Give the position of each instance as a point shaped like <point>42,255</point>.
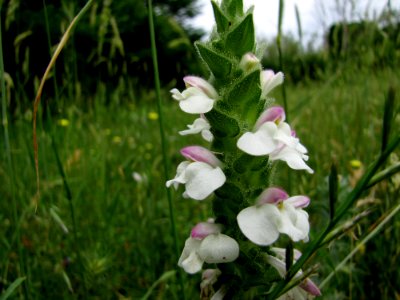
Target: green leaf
<point>218,64</point>
<point>233,8</point>
<point>242,38</point>
<point>245,96</point>
<point>220,19</point>
<point>222,125</point>
<point>12,287</point>
<point>248,162</point>
<point>388,117</point>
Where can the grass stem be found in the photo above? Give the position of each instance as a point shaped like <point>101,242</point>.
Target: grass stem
<point>162,135</point>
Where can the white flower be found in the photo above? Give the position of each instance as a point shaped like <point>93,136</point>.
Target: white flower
<point>305,290</point>
<point>275,213</point>
<point>269,80</point>
<point>274,137</point>
<point>207,244</point>
<point>198,97</point>
<point>202,175</point>
<point>200,125</point>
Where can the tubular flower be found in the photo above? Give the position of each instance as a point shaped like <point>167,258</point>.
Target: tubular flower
<point>201,174</point>
<point>274,137</point>
<point>305,289</point>
<point>198,97</point>
<point>275,213</point>
<point>269,80</point>
<point>200,125</point>
<point>207,244</point>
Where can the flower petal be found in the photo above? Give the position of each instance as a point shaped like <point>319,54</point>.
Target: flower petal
<point>270,80</point>
<point>292,157</point>
<point>201,154</point>
<point>257,223</point>
<point>272,114</point>
<point>189,259</point>
<point>203,180</point>
<point>272,195</point>
<point>203,85</point>
<point>204,229</point>
<point>195,101</point>
<point>180,175</point>
<point>218,248</point>
<point>261,142</point>
<point>293,222</point>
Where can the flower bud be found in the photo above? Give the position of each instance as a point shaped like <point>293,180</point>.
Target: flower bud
<point>248,62</point>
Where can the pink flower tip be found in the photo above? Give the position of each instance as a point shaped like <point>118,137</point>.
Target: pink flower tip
<point>201,154</point>
<point>310,287</point>
<point>273,114</point>
<point>204,229</point>
<point>202,84</point>
<point>272,195</point>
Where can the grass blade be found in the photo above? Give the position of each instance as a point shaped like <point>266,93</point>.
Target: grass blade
<point>53,60</point>
<point>387,117</point>
<point>162,135</point>
<point>11,288</point>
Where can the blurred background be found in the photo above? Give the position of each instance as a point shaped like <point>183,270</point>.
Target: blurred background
<point>101,229</point>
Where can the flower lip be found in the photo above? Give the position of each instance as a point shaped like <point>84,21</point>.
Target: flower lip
<point>274,114</point>
<point>203,85</point>
<point>200,154</point>
<point>272,195</point>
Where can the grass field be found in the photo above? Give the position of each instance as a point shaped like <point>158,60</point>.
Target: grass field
<point>112,161</point>
<point>101,227</point>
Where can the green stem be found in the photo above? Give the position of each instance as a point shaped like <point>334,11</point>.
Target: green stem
<point>162,135</point>
<point>17,233</point>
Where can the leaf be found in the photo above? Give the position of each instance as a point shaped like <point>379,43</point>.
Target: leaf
<point>220,19</point>
<point>233,8</point>
<point>388,117</point>
<point>222,125</point>
<point>245,96</point>
<point>242,38</point>
<point>218,64</point>
<point>17,282</point>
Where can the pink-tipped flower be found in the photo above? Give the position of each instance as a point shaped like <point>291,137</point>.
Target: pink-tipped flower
<point>201,175</point>
<point>273,214</point>
<point>197,98</point>
<point>198,153</point>
<point>274,137</point>
<point>270,80</point>
<point>274,114</point>
<point>212,247</point>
